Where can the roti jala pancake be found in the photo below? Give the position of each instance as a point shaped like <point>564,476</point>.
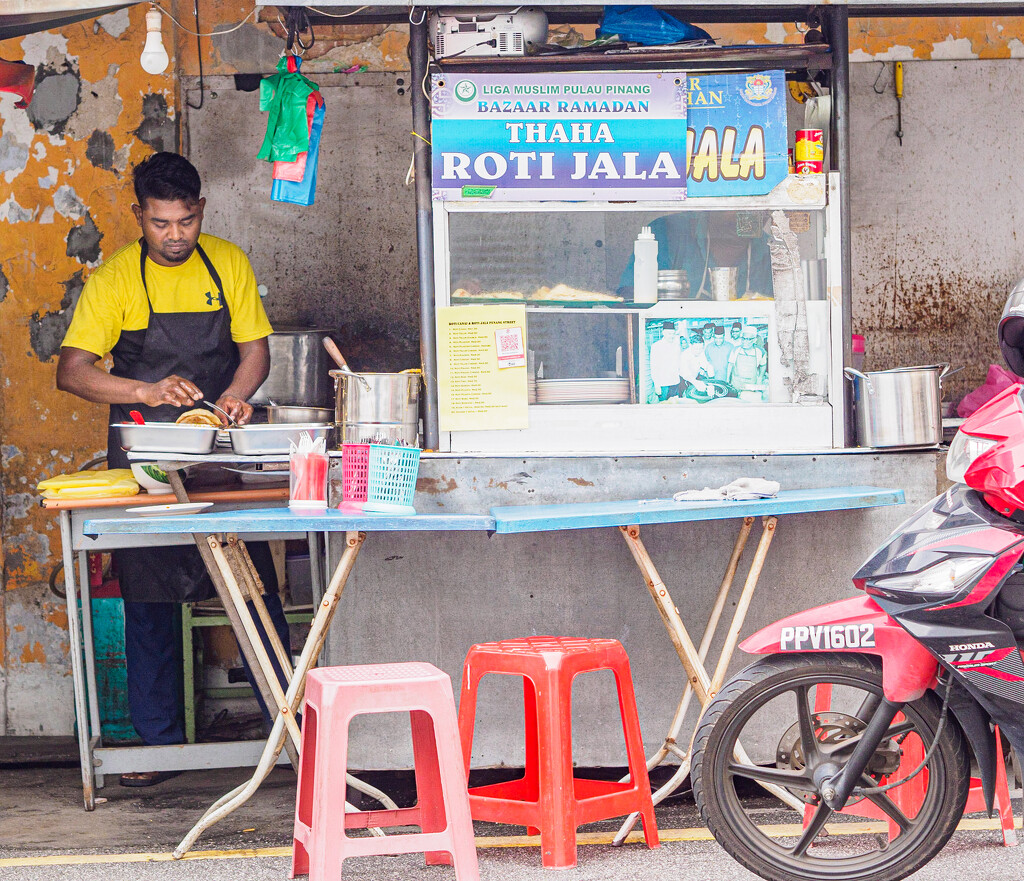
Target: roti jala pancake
<point>198,417</point>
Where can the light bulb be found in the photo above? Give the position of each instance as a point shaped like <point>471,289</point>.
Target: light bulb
<point>154,56</point>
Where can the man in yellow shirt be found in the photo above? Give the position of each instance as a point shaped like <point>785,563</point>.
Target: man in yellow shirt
<point>180,315</point>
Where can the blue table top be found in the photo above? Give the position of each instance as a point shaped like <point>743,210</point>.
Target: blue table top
<point>505,519</point>
<point>283,520</point>
<point>539,518</point>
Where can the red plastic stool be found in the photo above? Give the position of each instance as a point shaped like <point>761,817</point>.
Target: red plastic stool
<point>334,695</point>
<point>548,797</point>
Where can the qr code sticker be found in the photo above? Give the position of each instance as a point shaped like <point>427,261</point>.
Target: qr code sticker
<point>511,350</point>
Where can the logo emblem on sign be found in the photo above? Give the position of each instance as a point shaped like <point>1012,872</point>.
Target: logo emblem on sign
<point>465,90</point>
<point>758,90</point>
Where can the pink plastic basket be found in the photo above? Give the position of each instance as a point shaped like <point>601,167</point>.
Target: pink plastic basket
<point>391,481</point>
<point>355,463</point>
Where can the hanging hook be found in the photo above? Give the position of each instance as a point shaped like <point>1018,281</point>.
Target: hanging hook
<point>423,17</point>
<point>874,85</point>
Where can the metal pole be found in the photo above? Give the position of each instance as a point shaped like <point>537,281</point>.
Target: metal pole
<point>424,224</point>
<point>839,39</point>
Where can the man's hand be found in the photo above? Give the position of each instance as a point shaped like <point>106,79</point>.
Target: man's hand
<point>172,390</point>
<point>240,410</point>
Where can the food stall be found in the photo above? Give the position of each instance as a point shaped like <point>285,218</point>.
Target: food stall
<point>539,358</point>
<point>598,425</point>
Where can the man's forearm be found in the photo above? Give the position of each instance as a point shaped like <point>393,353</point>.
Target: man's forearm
<point>94,384</point>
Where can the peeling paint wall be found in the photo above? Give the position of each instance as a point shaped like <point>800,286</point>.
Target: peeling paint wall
<point>928,278</point>
<point>64,207</point>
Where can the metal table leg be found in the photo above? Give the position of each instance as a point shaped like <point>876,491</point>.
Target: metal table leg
<point>77,663</point>
<point>262,683</point>
<point>292,698</point>
<point>89,649</point>
<point>699,682</point>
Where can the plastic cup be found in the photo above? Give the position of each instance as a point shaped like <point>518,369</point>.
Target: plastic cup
<point>307,481</point>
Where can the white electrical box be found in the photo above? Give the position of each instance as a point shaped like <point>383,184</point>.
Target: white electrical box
<point>487,31</point>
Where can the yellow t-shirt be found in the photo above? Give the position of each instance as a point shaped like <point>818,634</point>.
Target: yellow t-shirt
<point>114,300</point>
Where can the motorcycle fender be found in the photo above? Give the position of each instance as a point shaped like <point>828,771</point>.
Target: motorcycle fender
<point>855,625</point>
<point>976,724</point>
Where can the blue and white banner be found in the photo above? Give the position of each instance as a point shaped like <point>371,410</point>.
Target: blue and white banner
<point>738,139</point>
<point>559,136</point>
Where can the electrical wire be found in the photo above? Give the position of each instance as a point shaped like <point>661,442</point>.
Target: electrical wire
<point>212,33</point>
<point>336,14</point>
<point>296,23</point>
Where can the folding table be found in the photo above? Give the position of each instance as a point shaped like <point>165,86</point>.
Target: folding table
<point>228,566</point>
<point>629,516</point>
<point>97,758</point>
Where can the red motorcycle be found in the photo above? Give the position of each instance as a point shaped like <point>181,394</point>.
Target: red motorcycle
<point>873,707</point>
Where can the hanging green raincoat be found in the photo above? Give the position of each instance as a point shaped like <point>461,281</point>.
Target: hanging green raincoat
<point>284,94</point>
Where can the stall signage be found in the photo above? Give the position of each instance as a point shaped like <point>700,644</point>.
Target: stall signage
<point>738,139</point>
<point>559,136</point>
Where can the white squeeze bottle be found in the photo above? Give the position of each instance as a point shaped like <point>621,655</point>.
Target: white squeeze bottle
<point>645,267</point>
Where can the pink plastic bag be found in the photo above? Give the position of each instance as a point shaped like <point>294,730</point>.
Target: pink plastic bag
<point>998,378</point>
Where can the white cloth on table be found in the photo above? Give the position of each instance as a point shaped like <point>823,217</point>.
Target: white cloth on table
<point>741,489</point>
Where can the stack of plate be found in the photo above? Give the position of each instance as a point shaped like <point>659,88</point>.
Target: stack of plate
<point>583,391</point>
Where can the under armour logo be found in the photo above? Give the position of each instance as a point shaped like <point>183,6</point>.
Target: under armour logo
<point>212,298</point>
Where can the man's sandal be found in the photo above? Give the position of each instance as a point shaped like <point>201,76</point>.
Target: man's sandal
<point>146,778</point>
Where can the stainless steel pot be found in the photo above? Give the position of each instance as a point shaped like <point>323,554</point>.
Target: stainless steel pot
<point>299,369</point>
<point>379,399</point>
<point>898,408</point>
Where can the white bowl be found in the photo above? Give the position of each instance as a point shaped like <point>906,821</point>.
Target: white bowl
<point>151,478</point>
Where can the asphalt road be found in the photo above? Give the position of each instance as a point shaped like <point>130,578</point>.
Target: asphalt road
<point>45,835</point>
<point>968,855</point>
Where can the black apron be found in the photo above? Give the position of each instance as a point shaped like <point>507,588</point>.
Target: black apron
<point>196,346</point>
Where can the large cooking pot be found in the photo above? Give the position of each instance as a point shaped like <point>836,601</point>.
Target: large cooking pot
<point>299,369</point>
<point>898,408</point>
<point>377,405</point>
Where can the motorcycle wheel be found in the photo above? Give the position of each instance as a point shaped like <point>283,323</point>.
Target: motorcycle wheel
<point>759,712</point>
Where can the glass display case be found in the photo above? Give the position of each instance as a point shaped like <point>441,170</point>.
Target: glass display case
<point>740,350</point>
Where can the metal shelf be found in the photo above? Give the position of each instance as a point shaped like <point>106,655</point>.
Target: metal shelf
<point>810,57</point>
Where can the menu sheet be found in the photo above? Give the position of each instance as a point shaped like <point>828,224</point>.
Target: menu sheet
<point>481,368</point>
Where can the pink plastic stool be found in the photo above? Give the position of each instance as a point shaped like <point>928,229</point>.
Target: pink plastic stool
<point>334,695</point>
<point>548,797</point>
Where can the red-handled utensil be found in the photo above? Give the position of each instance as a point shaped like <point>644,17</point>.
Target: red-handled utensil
<point>136,417</point>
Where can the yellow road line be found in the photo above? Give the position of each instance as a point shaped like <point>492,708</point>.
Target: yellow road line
<point>697,833</point>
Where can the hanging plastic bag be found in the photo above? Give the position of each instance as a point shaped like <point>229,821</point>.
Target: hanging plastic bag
<point>296,170</point>
<point>648,27</point>
<point>303,192</point>
<point>284,96</point>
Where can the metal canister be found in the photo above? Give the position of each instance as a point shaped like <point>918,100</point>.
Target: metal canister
<point>809,151</point>
<point>809,144</point>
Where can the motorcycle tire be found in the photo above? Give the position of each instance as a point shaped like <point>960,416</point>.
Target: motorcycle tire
<point>760,848</point>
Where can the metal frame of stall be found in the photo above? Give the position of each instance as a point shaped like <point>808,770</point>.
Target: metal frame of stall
<point>833,18</point>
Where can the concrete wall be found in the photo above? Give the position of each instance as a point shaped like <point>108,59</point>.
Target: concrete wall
<point>65,197</point>
<point>937,221</point>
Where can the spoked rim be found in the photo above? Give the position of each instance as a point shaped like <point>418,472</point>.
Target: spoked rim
<point>800,859</point>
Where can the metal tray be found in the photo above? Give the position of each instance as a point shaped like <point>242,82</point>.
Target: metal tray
<point>167,437</point>
<point>262,440</point>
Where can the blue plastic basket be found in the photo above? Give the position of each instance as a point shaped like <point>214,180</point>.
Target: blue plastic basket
<point>391,479</point>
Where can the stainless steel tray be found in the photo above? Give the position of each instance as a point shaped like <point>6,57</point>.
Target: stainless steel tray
<point>166,437</point>
<point>261,440</point>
